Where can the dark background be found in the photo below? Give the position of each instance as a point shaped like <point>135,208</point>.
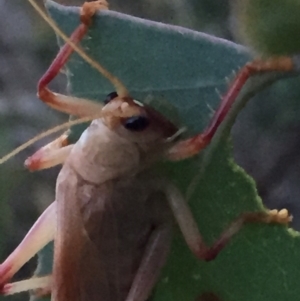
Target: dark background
<point>265,137</point>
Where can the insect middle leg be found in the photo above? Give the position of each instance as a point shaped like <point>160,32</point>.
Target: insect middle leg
<point>193,238</point>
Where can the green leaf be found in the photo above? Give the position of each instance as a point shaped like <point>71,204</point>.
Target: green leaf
<point>155,61</point>
<point>183,68</point>
<point>271,27</point>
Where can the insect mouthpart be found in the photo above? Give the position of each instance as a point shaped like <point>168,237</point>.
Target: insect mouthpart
<point>134,123</point>
<point>124,111</point>
<point>114,95</point>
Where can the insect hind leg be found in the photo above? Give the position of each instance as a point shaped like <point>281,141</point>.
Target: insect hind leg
<point>89,9</point>
<point>41,233</point>
<point>40,285</point>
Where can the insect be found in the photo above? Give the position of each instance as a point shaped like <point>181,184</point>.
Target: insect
<point>112,218</point>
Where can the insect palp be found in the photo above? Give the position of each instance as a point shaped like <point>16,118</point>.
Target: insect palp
<point>138,103</point>
<point>177,135</point>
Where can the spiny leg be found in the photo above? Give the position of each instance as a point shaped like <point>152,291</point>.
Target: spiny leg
<point>192,146</point>
<point>71,105</point>
<point>193,238</point>
<point>50,155</point>
<point>41,233</point>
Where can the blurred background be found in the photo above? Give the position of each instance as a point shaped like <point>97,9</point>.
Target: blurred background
<point>266,142</point>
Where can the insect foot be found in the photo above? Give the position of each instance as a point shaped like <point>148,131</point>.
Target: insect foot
<point>281,217</point>
<point>89,9</point>
<point>269,217</point>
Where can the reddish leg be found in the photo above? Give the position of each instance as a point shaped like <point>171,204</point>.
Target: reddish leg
<point>71,105</point>
<point>193,238</point>
<point>192,146</point>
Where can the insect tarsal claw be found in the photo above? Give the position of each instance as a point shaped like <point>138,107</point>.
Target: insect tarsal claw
<point>89,9</point>
<point>280,216</point>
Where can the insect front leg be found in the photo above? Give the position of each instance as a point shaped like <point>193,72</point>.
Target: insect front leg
<point>50,155</point>
<point>42,232</point>
<point>192,146</point>
<point>57,151</point>
<point>70,105</point>
<point>192,236</point>
<point>152,262</point>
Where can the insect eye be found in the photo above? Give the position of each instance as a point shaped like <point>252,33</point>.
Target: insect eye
<point>136,123</point>
<point>110,97</point>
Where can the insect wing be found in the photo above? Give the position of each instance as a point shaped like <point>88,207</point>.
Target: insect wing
<point>77,265</point>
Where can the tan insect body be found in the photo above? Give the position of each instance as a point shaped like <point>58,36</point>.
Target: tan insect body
<point>101,154</point>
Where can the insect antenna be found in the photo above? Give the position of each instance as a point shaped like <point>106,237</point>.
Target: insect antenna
<point>51,131</point>
<point>119,86</point>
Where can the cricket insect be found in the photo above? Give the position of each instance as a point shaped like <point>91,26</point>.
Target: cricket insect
<point>112,217</point>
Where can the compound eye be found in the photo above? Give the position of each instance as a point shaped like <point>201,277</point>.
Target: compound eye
<point>110,97</point>
<point>136,123</point>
